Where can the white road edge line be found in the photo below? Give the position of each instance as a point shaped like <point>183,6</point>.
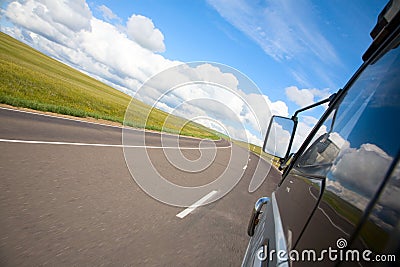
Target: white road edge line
<point>65,118</point>
<point>198,203</point>
<point>97,123</point>
<point>101,145</point>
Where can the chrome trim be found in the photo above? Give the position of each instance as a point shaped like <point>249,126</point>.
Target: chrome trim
<point>261,202</point>
<point>280,239</point>
<point>246,253</point>
<point>255,214</point>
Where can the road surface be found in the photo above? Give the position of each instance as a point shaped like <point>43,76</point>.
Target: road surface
<point>69,199</point>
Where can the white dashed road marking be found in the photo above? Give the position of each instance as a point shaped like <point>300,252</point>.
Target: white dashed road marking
<point>196,204</point>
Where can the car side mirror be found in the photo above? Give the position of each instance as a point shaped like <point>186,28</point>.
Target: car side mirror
<point>279,138</point>
<point>281,130</point>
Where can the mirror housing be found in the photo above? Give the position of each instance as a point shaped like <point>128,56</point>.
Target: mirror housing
<point>279,138</point>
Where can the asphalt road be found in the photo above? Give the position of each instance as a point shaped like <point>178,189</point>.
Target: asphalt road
<point>69,197</point>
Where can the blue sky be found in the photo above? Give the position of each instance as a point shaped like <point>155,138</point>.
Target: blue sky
<point>197,31</point>
<point>296,51</point>
<point>210,31</point>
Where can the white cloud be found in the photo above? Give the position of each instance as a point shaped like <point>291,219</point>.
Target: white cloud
<point>107,13</point>
<point>302,97</point>
<point>214,91</point>
<point>142,30</point>
<point>69,32</point>
<point>358,172</point>
<point>362,167</point>
<point>227,105</point>
<point>57,21</point>
<point>278,107</point>
<point>74,14</point>
<point>305,97</point>
<point>107,45</point>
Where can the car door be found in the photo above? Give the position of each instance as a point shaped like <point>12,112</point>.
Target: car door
<point>365,132</point>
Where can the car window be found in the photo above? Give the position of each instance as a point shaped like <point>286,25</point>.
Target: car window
<point>357,142</point>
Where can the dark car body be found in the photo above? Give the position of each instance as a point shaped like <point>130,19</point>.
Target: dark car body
<point>338,203</point>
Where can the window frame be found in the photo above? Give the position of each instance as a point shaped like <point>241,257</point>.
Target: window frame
<point>335,103</point>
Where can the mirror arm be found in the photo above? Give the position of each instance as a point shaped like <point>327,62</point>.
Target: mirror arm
<point>329,99</point>
<point>295,120</point>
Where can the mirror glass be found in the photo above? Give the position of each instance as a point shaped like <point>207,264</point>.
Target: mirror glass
<point>278,136</point>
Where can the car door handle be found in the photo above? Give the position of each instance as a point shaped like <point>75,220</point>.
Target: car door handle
<point>255,214</point>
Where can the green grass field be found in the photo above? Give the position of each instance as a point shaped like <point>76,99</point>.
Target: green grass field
<point>33,80</point>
